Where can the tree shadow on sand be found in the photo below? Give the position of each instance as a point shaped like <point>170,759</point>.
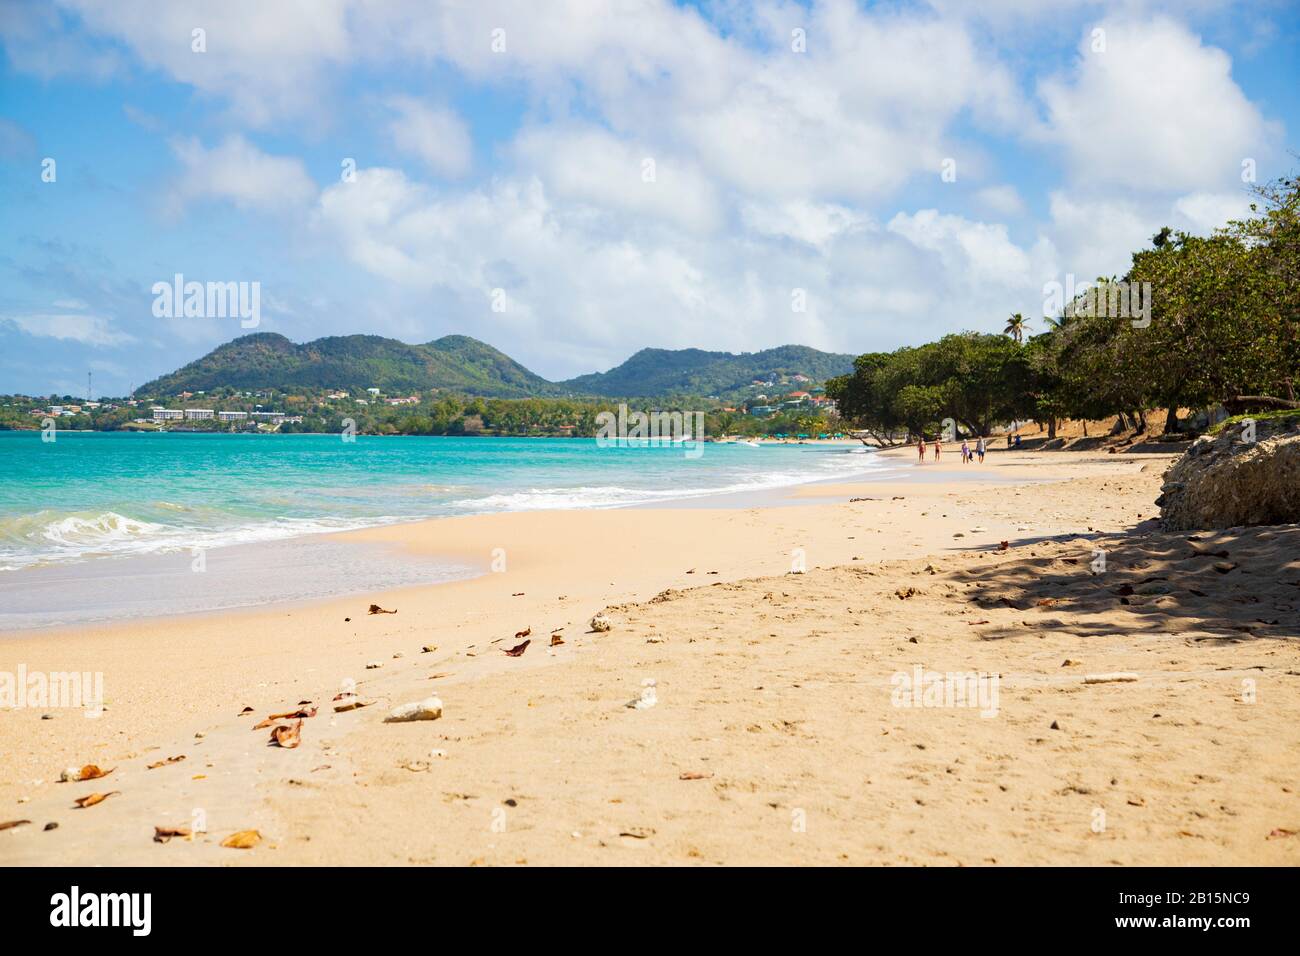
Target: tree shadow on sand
<point>1220,587</point>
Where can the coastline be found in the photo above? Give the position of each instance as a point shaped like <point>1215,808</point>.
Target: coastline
<point>169,679</point>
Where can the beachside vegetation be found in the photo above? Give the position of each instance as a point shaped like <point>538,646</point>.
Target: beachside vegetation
<point>1223,330</point>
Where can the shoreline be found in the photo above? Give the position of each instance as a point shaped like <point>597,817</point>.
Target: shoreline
<point>139,578</point>
<point>177,687</point>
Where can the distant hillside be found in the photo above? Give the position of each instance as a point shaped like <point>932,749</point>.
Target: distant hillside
<point>462,364</point>
<point>357,362</point>
<point>653,372</point>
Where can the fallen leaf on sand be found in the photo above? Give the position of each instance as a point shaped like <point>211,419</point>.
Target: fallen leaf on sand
<point>1119,677</point>
<point>94,798</point>
<point>518,649</point>
<point>10,824</point>
<point>88,772</point>
<point>556,640</point>
<point>355,704</point>
<point>286,736</point>
<point>246,710</point>
<point>376,609</point>
<point>243,840</point>
<point>1281,832</point>
<point>694,775</point>
<point>162,763</point>
<point>163,834</point>
<point>291,714</point>
<point>524,633</point>
<point>638,833</point>
<point>263,724</point>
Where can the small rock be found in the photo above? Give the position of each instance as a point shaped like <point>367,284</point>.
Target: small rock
<point>374,665</point>
<point>47,716</point>
<point>437,753</point>
<point>428,648</point>
<point>50,826</point>
<point>429,709</point>
<point>600,624</point>
<point>1055,725</point>
<point>398,655</point>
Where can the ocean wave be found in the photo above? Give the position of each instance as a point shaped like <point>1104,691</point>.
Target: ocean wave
<point>48,538</point>
<point>160,526</point>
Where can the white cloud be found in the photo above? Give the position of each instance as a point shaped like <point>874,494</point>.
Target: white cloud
<point>817,224</point>
<point>239,172</point>
<point>1156,110</point>
<point>86,329</point>
<point>433,134</point>
<point>1204,212</point>
<point>590,166</point>
<point>1001,200</point>
<point>266,59</point>
<point>982,253</point>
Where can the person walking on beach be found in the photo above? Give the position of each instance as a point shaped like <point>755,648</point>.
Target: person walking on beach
<point>979,449</point>
<point>965,452</point>
<point>920,447</point>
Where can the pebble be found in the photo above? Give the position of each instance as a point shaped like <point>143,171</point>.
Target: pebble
<point>429,709</point>
<point>374,665</point>
<point>600,623</point>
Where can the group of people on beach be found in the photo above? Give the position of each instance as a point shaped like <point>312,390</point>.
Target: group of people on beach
<point>968,454</point>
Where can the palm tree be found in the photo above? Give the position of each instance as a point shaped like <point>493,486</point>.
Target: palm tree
<point>1016,326</point>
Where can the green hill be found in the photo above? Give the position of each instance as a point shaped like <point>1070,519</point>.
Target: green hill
<point>355,362</point>
<point>465,365</point>
<point>652,372</point>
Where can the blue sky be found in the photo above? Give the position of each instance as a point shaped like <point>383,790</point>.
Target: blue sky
<point>610,175</point>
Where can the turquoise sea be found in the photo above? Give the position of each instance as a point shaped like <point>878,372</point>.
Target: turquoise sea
<point>95,495</point>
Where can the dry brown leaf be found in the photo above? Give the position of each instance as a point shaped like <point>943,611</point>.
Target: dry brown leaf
<point>518,650</point>
<point>246,710</point>
<point>263,724</point>
<point>556,640</point>
<point>162,763</point>
<point>243,840</point>
<point>376,609</point>
<point>91,772</point>
<point>10,824</point>
<point>354,704</point>
<point>291,714</point>
<point>524,633</point>
<point>1281,832</point>
<point>286,736</point>
<point>694,775</point>
<point>94,798</point>
<point>163,834</point>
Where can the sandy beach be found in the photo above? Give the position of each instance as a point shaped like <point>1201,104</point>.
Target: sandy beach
<point>743,709</point>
